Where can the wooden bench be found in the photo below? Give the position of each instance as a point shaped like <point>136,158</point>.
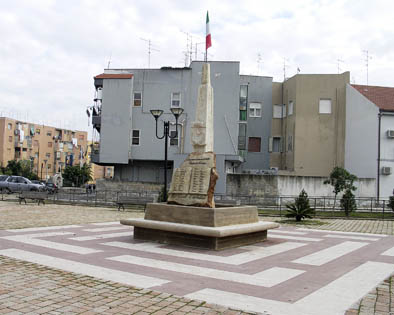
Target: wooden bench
<point>129,200</point>
<point>34,195</point>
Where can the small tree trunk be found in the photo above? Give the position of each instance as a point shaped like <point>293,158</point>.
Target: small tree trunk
<point>335,200</point>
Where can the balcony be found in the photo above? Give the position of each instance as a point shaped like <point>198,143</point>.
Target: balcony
<point>95,153</point>
<point>96,121</point>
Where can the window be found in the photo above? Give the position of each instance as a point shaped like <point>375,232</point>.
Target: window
<point>275,144</point>
<point>9,126</point>
<point>277,112</point>
<point>24,149</point>
<point>254,144</point>
<point>137,99</point>
<point>49,144</point>
<point>48,155</point>
<point>242,137</point>
<point>255,110</point>
<point>176,99</point>
<point>135,139</point>
<point>174,141</point>
<point>81,137</point>
<point>10,139</point>
<point>290,143</point>
<point>38,131</point>
<point>290,109</point>
<point>325,106</point>
<point>243,101</point>
<point>49,133</point>
<point>49,166</point>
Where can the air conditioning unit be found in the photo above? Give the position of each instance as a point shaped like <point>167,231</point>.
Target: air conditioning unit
<point>390,133</point>
<point>386,170</point>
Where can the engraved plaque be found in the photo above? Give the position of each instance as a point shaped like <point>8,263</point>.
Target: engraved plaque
<point>199,181</point>
<point>181,180</point>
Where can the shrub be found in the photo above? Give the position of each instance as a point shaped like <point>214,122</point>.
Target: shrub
<point>348,202</point>
<point>300,209</point>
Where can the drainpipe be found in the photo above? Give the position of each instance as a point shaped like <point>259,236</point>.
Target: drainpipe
<point>378,177</point>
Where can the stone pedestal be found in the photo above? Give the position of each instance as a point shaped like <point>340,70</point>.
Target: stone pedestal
<point>208,228</point>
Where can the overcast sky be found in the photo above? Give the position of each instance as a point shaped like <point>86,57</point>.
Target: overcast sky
<point>50,50</point>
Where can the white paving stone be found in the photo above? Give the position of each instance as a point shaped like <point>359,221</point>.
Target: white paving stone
<point>254,253</point>
<point>44,228</point>
<point>86,269</point>
<point>332,299</point>
<point>349,237</point>
<point>33,239</point>
<point>326,255</point>
<point>389,252</point>
<point>265,278</point>
<point>101,236</point>
<point>106,229</point>
<point>340,232</point>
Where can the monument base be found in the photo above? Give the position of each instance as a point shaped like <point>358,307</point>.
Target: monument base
<point>198,241</point>
<point>208,228</point>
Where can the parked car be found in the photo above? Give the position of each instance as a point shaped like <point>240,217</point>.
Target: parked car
<point>18,183</point>
<point>51,188</point>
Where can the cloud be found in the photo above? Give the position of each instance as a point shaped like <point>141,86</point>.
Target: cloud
<point>52,49</point>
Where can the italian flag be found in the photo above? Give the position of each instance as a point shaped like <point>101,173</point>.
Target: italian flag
<point>208,42</point>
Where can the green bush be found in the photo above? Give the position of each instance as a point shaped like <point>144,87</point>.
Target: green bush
<point>348,202</point>
<point>300,209</point>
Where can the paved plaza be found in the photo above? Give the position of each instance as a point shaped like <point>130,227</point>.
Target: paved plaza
<point>71,260</point>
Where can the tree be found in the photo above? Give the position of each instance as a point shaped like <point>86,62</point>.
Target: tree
<point>348,203</point>
<point>340,179</point>
<point>300,209</point>
<point>20,168</point>
<point>77,176</point>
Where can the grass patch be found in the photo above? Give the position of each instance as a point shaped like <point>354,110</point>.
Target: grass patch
<point>303,222</point>
<point>334,214</point>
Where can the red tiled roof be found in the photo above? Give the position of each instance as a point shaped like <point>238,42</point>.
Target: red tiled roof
<point>114,76</point>
<point>381,96</point>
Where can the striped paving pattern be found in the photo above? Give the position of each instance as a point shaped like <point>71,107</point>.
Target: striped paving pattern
<point>296,271</point>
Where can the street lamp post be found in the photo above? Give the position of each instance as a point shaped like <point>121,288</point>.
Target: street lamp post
<point>156,113</point>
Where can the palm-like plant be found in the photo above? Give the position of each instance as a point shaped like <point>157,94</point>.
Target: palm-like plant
<point>300,209</point>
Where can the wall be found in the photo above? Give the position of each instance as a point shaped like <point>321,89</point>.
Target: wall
<point>115,121</point>
<point>272,185</point>
<point>318,138</point>
<point>386,155</point>
<point>361,147</point>
<point>259,91</point>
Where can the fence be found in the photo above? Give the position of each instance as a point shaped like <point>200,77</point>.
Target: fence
<point>275,204</point>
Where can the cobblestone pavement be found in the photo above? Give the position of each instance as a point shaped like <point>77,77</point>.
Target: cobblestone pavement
<point>34,289</point>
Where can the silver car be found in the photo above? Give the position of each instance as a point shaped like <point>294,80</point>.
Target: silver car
<point>18,183</point>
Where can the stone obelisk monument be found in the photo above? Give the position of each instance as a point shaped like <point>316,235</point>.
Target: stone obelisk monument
<point>193,184</point>
<point>190,218</point>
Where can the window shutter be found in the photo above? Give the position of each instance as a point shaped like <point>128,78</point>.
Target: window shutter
<point>270,144</point>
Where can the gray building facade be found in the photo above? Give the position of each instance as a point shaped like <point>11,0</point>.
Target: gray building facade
<point>127,128</point>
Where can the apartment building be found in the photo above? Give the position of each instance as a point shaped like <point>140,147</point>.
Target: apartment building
<point>48,148</point>
<point>97,171</point>
<point>242,119</point>
<point>370,135</point>
<point>308,124</point>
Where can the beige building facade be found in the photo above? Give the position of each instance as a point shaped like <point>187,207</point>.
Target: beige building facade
<point>49,149</point>
<point>308,125</point>
<point>98,171</point>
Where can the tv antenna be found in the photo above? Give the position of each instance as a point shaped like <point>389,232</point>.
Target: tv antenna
<point>367,58</point>
<point>339,65</point>
<point>150,49</point>
<point>259,62</point>
<point>109,60</point>
<point>284,68</point>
